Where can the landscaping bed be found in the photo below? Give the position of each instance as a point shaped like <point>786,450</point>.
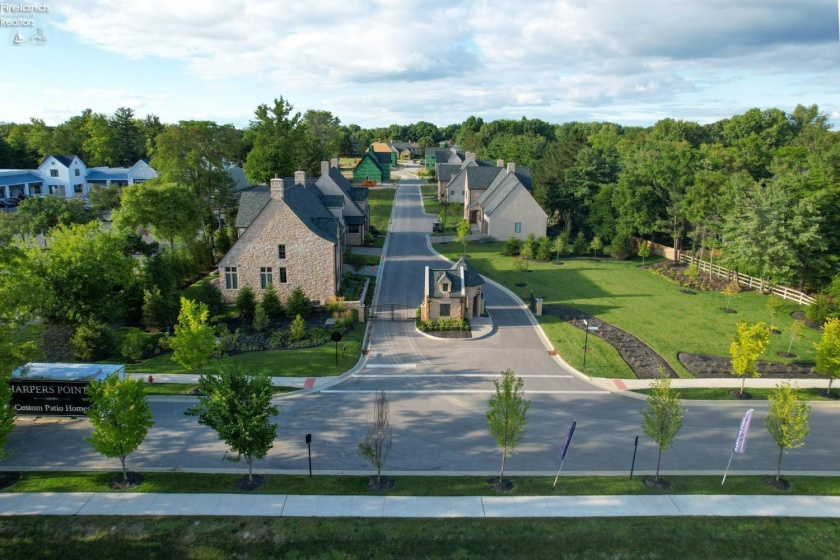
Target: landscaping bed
<point>716,366</point>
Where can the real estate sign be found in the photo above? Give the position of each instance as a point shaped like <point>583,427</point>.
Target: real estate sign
<point>48,389</point>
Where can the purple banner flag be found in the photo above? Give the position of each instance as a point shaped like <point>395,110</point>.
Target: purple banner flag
<point>741,440</point>
<point>567,441</point>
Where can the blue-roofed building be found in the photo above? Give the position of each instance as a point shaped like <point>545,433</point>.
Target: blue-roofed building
<point>15,182</point>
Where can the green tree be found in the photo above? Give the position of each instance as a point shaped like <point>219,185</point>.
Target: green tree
<point>662,417</point>
<point>160,309</point>
<point>298,304</point>
<point>246,302</point>
<point>172,211</point>
<point>544,249</point>
<point>559,246</point>
<point>120,416</point>
<point>194,339</point>
<point>237,406</point>
<point>92,341</point>
<point>443,218</point>
<point>787,420</point>
<point>507,415</point>
<point>596,244</point>
<point>260,319</point>
<point>281,143</point>
<point>376,444</point>
<point>773,305</point>
<point>795,330</point>
<point>107,198</point>
<point>731,290</point>
<point>747,348</point>
<point>271,302</point>
<point>37,215</point>
<point>512,247</point>
<point>297,329</point>
<point>828,351</point>
<point>463,230</point>
<point>644,251</point>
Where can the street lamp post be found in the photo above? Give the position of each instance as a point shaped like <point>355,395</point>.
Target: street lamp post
<point>587,328</point>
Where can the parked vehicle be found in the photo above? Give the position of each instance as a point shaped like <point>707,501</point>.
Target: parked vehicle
<point>436,227</point>
<point>8,202</point>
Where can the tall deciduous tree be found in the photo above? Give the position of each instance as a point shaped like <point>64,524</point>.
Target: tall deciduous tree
<point>120,416</point>
<point>507,415</point>
<point>828,351</point>
<point>787,420</point>
<point>280,143</point>
<point>172,211</point>
<point>376,444</point>
<point>662,418</point>
<point>237,406</point>
<point>194,338</point>
<point>747,348</point>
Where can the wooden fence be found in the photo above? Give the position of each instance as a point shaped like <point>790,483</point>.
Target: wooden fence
<point>781,291</point>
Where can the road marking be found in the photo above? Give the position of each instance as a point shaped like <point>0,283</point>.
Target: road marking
<point>459,391</point>
<point>482,375</point>
<point>395,366</point>
<point>309,383</point>
<point>620,384</point>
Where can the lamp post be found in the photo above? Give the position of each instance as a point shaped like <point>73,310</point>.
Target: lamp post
<point>587,328</point>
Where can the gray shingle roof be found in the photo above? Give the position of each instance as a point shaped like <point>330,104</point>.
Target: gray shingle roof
<point>355,220</point>
<point>494,196</point>
<point>481,177</point>
<point>446,171</point>
<point>453,277</point>
<point>304,201</point>
<point>383,157</point>
<point>333,201</point>
<point>251,203</point>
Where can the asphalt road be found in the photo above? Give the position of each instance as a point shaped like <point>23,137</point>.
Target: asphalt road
<point>438,392</point>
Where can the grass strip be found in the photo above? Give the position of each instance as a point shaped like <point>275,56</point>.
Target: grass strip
<point>381,202</point>
<point>199,538</point>
<point>722,394</point>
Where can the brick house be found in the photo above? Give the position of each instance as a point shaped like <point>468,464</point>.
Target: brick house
<point>452,292</point>
<point>288,237</point>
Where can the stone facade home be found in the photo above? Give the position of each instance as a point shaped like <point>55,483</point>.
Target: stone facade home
<point>472,175</point>
<point>350,203</point>
<point>452,293</point>
<point>289,237</point>
<point>506,208</point>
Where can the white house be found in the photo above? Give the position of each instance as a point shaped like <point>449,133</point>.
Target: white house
<point>64,176</point>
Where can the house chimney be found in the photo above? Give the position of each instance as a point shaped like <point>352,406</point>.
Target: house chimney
<point>325,167</point>
<point>511,167</point>
<point>334,162</point>
<point>300,178</point>
<point>500,163</point>
<point>278,191</point>
<point>471,156</point>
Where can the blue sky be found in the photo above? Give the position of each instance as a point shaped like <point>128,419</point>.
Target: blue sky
<point>377,62</point>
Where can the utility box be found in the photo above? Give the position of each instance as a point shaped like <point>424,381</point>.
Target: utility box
<point>53,389</point>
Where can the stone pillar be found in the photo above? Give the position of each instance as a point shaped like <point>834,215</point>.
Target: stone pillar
<point>538,304</point>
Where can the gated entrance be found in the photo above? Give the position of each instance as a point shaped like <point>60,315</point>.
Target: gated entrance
<point>393,312</point>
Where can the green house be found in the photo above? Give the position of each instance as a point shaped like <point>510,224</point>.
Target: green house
<point>370,168</point>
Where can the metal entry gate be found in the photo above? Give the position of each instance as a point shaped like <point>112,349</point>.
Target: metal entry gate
<point>392,312</point>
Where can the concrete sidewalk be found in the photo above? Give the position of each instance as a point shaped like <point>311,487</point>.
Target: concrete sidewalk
<point>192,379</point>
<point>93,503</point>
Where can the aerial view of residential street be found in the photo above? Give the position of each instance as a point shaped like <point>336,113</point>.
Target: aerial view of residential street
<point>469,279</point>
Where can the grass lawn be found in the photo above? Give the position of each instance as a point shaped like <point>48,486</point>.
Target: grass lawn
<point>629,297</point>
<point>381,202</point>
<point>757,394</point>
<point>199,538</point>
<point>192,291</point>
<point>305,362</point>
<point>428,190</point>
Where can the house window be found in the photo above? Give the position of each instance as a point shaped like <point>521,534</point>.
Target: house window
<point>266,278</point>
<point>77,189</point>
<point>444,310</point>
<point>53,172</point>
<point>353,228</point>
<point>77,173</point>
<point>517,227</point>
<point>452,193</point>
<point>35,188</point>
<point>281,273</point>
<point>281,252</point>
<point>444,287</point>
<point>231,279</point>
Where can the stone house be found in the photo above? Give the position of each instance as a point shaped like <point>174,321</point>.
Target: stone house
<point>452,293</point>
<point>289,237</point>
<point>506,208</point>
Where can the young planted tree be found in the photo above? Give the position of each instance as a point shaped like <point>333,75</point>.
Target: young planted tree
<point>463,230</point>
<point>120,416</point>
<point>298,304</point>
<point>773,305</point>
<point>748,346</point>
<point>271,302</point>
<point>596,245</point>
<point>644,251</point>
<point>237,406</point>
<point>507,415</point>
<point>828,351</point>
<point>662,418</point>
<point>260,321</point>
<point>795,331</point>
<point>787,420</point>
<point>246,302</point>
<point>376,443</point>
<point>443,218</point>
<point>512,247</point>
<point>194,339</point>
<point>558,246</point>
<point>297,329</point>
<point>731,290</point>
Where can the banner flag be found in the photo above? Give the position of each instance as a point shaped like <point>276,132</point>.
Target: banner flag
<point>741,440</point>
<point>567,441</point>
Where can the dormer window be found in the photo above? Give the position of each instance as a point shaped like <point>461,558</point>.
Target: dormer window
<point>444,287</point>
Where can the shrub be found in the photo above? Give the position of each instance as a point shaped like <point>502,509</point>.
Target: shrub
<point>92,341</point>
<point>260,319</point>
<point>621,247</point>
<point>298,304</point>
<point>160,309</point>
<point>246,302</point>
<point>271,302</point>
<point>223,240</point>
<point>820,310</point>
<point>544,249</point>
<point>580,246</point>
<point>278,339</point>
<point>132,346</point>
<point>297,329</point>
<point>227,340</point>
<point>210,296</point>
<point>692,271</point>
<point>512,247</point>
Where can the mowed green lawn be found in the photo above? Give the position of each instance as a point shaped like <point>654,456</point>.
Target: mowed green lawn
<point>631,298</point>
<point>381,202</point>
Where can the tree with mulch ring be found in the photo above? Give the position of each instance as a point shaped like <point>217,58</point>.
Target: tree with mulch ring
<point>795,333</point>
<point>787,423</point>
<point>376,444</point>
<point>731,290</point>
<point>662,419</point>
<point>688,292</point>
<point>8,478</point>
<point>520,284</point>
<point>748,346</point>
<point>507,416</point>
<point>828,353</point>
<point>121,417</point>
<point>250,483</point>
<point>131,480</point>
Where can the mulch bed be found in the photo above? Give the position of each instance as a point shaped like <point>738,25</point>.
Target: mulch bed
<point>246,485</point>
<point>708,367</point>
<point>644,362</point>
<point>676,272</point>
<point>449,334</point>
<point>382,484</point>
<point>503,485</point>
<point>780,484</point>
<point>800,316</point>
<point>134,479</point>
<point>8,478</point>
<point>656,483</point>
